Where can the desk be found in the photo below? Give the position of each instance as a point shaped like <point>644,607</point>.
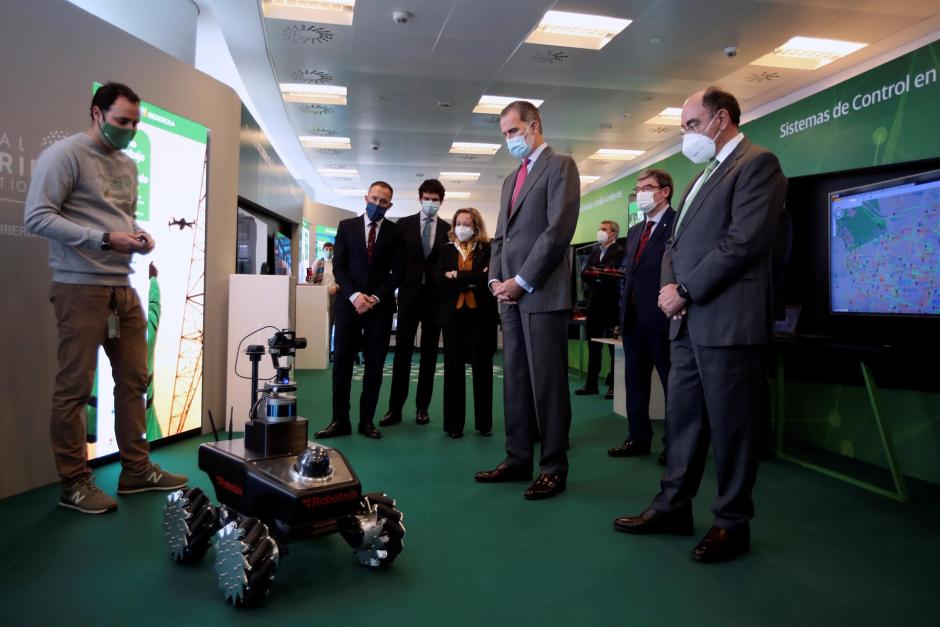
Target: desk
<point>657,398</point>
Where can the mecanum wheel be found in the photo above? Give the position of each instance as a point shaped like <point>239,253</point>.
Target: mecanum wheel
<point>375,532</point>
<point>246,558</point>
<point>189,520</point>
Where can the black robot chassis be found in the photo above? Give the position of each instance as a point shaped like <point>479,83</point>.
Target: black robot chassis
<point>275,487</point>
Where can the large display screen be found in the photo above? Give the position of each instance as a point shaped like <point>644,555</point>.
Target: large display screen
<point>171,153</point>
<point>884,247</point>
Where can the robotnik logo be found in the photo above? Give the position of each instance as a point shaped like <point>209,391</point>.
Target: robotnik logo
<point>313,502</point>
<point>228,486</point>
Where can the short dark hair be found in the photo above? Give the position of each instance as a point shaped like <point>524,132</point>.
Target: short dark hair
<point>383,184</point>
<point>715,98</point>
<point>431,186</point>
<point>662,179</point>
<point>527,111</point>
<point>109,92</point>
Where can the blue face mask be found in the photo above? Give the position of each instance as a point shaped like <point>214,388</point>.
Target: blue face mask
<point>517,145</point>
<point>375,212</point>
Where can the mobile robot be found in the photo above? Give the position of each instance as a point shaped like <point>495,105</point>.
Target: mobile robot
<point>275,487</point>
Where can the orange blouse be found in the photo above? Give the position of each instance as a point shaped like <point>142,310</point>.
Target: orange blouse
<point>466,297</point>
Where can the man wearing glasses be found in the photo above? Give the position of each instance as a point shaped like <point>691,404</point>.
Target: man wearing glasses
<point>645,327</point>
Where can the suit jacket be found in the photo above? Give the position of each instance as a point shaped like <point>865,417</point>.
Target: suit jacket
<point>353,271</point>
<point>416,265</point>
<point>641,279</point>
<point>535,241</point>
<point>476,279</point>
<point>722,250</point>
<point>603,292</point>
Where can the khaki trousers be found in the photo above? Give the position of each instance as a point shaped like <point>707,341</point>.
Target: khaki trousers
<point>81,313</point>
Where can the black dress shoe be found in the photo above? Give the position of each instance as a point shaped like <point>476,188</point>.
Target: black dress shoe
<point>722,545</point>
<point>651,521</point>
<point>334,429</point>
<point>610,394</point>
<point>389,419</point>
<point>455,434</point>
<point>504,472</point>
<point>486,432</point>
<point>422,417</point>
<point>370,431</point>
<point>662,458</point>
<point>629,448</point>
<point>546,486</point>
<point>586,391</point>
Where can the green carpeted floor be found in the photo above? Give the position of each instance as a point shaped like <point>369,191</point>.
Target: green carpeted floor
<point>824,553</point>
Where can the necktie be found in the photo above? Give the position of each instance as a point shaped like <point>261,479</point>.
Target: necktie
<point>698,185</point>
<point>370,243</point>
<point>426,236</point>
<point>520,181</point>
<point>644,239</point>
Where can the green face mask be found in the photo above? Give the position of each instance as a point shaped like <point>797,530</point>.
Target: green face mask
<point>119,138</point>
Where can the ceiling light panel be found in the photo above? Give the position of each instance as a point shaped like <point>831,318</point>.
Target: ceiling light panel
<point>337,172</point>
<point>670,116</point>
<point>616,154</point>
<point>313,94</point>
<point>494,105</point>
<point>587,180</point>
<point>459,176</point>
<point>808,53</point>
<point>474,148</point>
<point>576,30</point>
<point>316,141</point>
<point>332,12</point>
<point>458,195</point>
<point>345,191</point>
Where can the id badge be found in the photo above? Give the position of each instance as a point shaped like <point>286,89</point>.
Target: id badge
<point>114,326</point>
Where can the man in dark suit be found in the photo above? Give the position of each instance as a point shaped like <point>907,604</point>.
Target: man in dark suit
<point>530,275</point>
<point>716,279</point>
<point>645,328</point>
<point>367,264</point>
<point>603,291</point>
<point>422,235</point>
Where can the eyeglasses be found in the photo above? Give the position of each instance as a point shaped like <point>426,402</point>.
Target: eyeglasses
<point>645,188</point>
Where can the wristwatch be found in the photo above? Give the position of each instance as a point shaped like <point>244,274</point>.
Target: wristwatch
<point>683,293</point>
<point>106,241</point>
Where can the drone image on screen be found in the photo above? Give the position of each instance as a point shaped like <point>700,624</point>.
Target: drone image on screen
<point>275,487</point>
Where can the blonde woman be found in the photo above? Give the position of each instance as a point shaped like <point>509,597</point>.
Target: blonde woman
<point>468,317</point>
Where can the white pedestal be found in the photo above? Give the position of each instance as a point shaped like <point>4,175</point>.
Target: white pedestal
<point>313,322</point>
<point>657,398</point>
<point>254,301</point>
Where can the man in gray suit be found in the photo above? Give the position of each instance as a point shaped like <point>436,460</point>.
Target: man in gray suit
<point>716,275</point>
<point>530,275</point>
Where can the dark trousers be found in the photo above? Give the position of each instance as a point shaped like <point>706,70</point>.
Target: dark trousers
<point>537,402</point>
<point>597,328</point>
<point>642,352</point>
<point>422,311</point>
<point>372,331</point>
<point>715,396</point>
<point>468,335</point>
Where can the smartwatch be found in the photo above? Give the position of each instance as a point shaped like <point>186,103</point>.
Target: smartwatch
<point>106,241</point>
<point>683,293</point>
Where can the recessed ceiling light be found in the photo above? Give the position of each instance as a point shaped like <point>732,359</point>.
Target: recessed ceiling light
<point>656,40</point>
<point>346,191</point>
<point>494,105</point>
<point>587,180</point>
<point>335,143</point>
<point>313,94</point>
<point>808,53</point>
<point>338,172</point>
<point>616,154</point>
<point>473,148</point>
<point>670,116</point>
<point>459,176</point>
<point>576,30</point>
<point>322,11</point>
<point>461,195</point>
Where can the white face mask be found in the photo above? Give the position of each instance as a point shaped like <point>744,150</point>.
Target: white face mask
<point>463,233</point>
<point>602,237</point>
<point>698,147</point>
<point>645,201</point>
<point>430,207</point>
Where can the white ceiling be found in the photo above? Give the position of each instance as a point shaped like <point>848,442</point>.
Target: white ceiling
<point>454,51</point>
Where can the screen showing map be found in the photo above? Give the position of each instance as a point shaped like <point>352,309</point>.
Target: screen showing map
<point>884,247</point>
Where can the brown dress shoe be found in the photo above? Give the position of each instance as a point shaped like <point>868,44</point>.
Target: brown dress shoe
<point>334,429</point>
<point>722,545</point>
<point>422,417</point>
<point>504,472</point>
<point>546,486</point>
<point>389,419</point>
<point>629,448</point>
<point>370,431</point>
<point>651,521</point>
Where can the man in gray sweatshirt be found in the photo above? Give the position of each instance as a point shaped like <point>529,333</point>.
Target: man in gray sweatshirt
<point>83,199</point>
